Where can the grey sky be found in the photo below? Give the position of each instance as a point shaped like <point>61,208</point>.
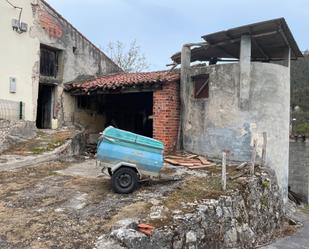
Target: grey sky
<point>161,26</point>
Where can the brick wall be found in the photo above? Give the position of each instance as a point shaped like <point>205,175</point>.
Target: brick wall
<point>166,107</point>
<point>50,24</point>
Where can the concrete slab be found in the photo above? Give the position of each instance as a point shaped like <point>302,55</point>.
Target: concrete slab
<point>86,168</point>
<point>299,240</point>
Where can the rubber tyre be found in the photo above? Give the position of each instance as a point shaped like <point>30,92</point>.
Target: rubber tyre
<point>124,180</point>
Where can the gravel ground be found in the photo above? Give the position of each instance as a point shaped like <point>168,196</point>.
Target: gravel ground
<point>62,205</point>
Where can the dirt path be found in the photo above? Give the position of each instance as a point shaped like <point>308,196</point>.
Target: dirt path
<point>299,240</point>
<point>41,208</point>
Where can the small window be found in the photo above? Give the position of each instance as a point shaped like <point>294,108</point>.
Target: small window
<point>201,86</point>
<point>74,50</point>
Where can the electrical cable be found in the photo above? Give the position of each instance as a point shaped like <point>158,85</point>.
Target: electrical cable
<point>20,12</point>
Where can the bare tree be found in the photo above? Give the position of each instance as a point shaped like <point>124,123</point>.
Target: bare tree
<point>130,59</point>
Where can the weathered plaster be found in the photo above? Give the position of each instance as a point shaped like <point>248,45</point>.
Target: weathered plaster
<point>245,70</point>
<point>217,123</point>
<point>78,57</point>
<point>22,56</point>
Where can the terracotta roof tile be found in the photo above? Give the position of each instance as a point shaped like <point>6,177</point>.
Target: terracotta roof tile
<point>121,80</point>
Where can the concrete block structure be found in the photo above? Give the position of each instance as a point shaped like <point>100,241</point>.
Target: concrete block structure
<point>299,170</point>
<point>226,106</point>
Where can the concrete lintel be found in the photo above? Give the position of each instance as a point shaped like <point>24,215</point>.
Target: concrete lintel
<point>194,71</point>
<point>245,69</point>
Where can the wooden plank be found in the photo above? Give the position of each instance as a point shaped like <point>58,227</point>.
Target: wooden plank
<point>188,164</point>
<point>264,149</point>
<point>223,180</point>
<point>238,175</point>
<point>253,157</point>
<point>242,165</point>
<point>191,156</point>
<point>203,160</point>
<point>174,157</point>
<point>199,167</point>
<point>202,166</point>
<point>174,162</point>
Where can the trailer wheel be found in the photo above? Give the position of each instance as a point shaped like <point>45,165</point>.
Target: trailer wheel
<point>124,180</point>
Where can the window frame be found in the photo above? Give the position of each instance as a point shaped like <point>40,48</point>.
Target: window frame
<point>201,86</point>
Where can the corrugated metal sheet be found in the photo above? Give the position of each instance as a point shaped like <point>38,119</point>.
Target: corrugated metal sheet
<point>269,39</point>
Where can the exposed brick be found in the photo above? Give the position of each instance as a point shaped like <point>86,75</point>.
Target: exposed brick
<point>50,24</point>
<point>166,114</point>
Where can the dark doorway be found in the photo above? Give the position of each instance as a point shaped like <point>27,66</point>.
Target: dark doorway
<point>44,110</point>
<point>131,112</point>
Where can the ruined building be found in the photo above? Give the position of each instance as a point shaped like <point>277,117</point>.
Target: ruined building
<point>40,50</point>
<point>144,103</point>
<point>240,95</point>
<point>227,106</point>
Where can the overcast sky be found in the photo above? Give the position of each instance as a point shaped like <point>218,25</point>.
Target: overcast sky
<point>162,26</point>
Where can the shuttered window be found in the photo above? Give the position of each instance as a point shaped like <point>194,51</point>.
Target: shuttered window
<point>49,62</point>
<point>201,86</point>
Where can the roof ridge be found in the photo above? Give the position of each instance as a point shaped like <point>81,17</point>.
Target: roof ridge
<point>123,79</point>
<point>83,36</point>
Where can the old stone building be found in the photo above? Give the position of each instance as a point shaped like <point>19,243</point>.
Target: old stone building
<point>40,50</point>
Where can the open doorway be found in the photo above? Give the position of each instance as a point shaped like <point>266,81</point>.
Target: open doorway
<point>131,112</point>
<point>44,109</point>
<point>127,111</point>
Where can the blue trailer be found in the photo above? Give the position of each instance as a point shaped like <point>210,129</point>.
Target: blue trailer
<point>128,158</point>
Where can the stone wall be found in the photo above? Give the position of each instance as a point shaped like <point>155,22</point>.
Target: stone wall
<point>92,121</point>
<point>12,132</point>
<point>248,217</point>
<point>299,168</point>
<point>166,114</point>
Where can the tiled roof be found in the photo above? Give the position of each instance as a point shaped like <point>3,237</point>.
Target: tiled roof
<point>123,80</point>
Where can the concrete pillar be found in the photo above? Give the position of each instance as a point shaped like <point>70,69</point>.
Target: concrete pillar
<point>287,57</point>
<point>245,69</point>
<point>184,81</point>
<point>285,132</point>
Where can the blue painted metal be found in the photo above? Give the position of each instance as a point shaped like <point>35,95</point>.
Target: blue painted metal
<point>117,146</point>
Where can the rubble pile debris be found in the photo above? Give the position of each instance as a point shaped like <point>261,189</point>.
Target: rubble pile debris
<point>191,161</point>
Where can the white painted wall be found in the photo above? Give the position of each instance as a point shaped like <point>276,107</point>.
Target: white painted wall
<point>19,56</point>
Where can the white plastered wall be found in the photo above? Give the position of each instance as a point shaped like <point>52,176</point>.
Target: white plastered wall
<point>19,57</point>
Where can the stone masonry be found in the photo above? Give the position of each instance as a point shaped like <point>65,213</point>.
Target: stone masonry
<point>248,217</point>
<point>12,132</point>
